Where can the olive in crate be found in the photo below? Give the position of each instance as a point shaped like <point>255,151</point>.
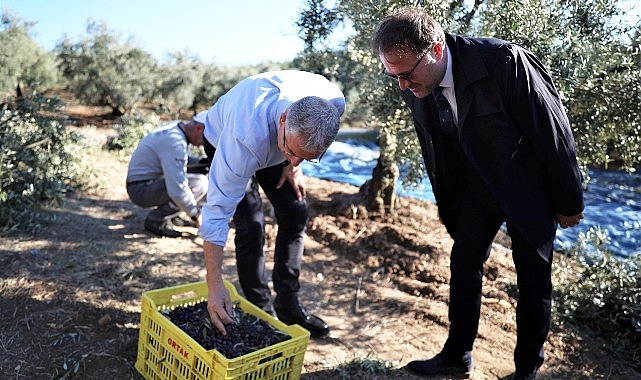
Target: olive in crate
<point>246,334</point>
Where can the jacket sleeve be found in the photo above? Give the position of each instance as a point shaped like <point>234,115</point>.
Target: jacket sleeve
<point>538,111</point>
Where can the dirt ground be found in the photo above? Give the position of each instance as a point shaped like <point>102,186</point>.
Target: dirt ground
<point>70,295</point>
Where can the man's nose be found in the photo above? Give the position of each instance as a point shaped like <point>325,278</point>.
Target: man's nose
<point>295,161</point>
<point>403,83</point>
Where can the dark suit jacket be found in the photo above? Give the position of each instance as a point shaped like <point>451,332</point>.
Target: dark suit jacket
<point>513,132</point>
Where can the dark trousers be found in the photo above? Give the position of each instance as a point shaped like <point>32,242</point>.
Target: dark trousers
<point>478,220</point>
<point>249,220</point>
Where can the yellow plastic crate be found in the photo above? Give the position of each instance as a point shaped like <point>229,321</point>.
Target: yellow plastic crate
<point>165,352</point>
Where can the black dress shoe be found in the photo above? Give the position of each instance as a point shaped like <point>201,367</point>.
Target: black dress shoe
<point>162,228</point>
<point>441,365</point>
<point>297,315</point>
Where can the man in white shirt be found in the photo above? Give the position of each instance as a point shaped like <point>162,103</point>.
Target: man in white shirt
<point>261,130</point>
<point>158,176</point>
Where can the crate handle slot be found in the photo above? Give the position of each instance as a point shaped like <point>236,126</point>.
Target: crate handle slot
<point>270,358</point>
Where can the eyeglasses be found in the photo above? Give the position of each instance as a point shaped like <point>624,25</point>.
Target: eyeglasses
<point>406,75</point>
<point>288,151</point>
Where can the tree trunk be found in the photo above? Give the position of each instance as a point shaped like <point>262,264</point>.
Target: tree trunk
<point>379,193</point>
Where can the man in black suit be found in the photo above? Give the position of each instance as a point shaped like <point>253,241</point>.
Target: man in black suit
<point>498,149</point>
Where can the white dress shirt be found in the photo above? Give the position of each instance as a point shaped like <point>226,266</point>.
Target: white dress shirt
<point>243,127</point>
<point>448,86</point>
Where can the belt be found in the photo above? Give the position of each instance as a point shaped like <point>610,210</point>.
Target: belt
<point>137,182</point>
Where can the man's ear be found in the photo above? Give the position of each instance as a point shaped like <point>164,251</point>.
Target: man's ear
<point>283,117</point>
<point>438,50</point>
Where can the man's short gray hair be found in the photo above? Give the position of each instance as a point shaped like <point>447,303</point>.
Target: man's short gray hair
<point>315,120</point>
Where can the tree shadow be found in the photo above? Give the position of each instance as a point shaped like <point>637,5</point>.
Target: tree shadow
<point>59,338</point>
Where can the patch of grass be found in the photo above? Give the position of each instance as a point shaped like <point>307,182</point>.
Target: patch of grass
<point>603,292</point>
<point>368,365</point>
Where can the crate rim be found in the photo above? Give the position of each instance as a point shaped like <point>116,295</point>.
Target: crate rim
<point>300,332</point>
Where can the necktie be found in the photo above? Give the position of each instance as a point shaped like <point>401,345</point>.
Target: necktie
<point>444,111</point>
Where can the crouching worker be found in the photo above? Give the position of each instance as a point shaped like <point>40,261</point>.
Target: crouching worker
<point>160,176</point>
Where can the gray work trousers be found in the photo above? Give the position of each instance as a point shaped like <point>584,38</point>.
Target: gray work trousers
<point>153,193</point>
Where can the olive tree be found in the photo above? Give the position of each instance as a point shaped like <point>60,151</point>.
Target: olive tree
<point>594,59</point>
<point>600,74</point>
<point>180,81</point>
<point>24,65</point>
<point>592,55</point>
<point>359,69</point>
<point>104,72</point>
<point>39,160</point>
<point>217,80</point>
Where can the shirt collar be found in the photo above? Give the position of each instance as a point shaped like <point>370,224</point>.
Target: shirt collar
<point>180,126</point>
<point>448,79</point>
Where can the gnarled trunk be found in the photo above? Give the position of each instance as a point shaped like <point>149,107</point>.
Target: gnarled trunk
<point>379,193</point>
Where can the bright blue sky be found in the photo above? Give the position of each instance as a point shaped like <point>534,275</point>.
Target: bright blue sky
<point>226,32</point>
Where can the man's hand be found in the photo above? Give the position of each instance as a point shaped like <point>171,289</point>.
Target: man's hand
<point>218,299</point>
<point>569,221</point>
<point>197,219</point>
<point>219,305</point>
<point>294,175</point>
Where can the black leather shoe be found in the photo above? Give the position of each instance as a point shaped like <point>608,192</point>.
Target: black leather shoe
<point>440,365</point>
<point>162,228</point>
<point>297,315</point>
